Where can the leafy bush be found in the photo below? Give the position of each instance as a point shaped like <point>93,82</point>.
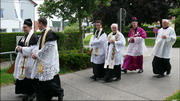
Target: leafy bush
<point>88,29</point>
<point>71,28</point>
<point>67,41</point>
<point>177,43</point>
<point>107,29</point>
<point>177,28</point>
<point>74,60</point>
<point>8,41</point>
<point>73,41</point>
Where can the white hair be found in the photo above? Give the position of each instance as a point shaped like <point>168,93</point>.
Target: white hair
<point>114,24</point>
<point>165,20</point>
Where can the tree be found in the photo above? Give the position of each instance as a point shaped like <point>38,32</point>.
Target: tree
<point>147,11</point>
<point>73,10</point>
<point>176,12</point>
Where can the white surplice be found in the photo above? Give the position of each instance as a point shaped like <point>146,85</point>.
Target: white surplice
<point>162,47</point>
<point>98,43</point>
<point>28,61</point>
<point>118,46</point>
<point>49,57</point>
<point>137,48</point>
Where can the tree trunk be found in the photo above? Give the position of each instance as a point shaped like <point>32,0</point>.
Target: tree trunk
<point>63,24</point>
<point>81,34</point>
<point>80,25</point>
<point>87,21</point>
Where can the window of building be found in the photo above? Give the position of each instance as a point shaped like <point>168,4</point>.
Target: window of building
<point>15,12</point>
<point>15,30</point>
<point>3,30</point>
<point>1,13</point>
<point>22,12</point>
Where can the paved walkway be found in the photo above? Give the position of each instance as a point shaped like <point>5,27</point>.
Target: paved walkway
<point>132,86</point>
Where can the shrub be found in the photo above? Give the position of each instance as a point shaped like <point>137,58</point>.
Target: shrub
<point>73,41</point>
<point>8,41</point>
<point>67,41</point>
<point>177,43</point>
<point>71,28</point>
<point>88,29</point>
<point>74,60</point>
<point>177,28</point>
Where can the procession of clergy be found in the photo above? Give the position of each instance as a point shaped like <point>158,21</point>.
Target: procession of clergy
<point>37,63</point>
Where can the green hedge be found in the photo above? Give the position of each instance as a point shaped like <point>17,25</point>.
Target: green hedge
<point>177,28</point>
<point>74,60</point>
<point>73,41</point>
<point>8,41</point>
<point>67,41</point>
<point>177,43</point>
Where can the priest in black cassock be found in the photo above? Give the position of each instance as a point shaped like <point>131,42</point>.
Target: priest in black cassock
<point>98,51</point>
<point>162,49</point>
<point>23,63</point>
<point>46,66</point>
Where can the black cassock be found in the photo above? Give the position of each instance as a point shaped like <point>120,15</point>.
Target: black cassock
<point>161,65</point>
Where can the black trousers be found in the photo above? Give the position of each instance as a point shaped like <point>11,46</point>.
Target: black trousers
<point>24,86</point>
<point>98,70</point>
<point>47,89</point>
<point>111,73</point>
<point>160,65</point>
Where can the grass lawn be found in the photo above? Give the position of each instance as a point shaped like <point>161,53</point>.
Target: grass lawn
<point>174,97</point>
<point>7,79</point>
<point>148,42</point>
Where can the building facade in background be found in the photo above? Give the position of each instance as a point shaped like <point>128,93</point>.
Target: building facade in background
<point>13,13</point>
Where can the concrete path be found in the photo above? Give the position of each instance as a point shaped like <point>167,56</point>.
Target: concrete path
<point>132,86</point>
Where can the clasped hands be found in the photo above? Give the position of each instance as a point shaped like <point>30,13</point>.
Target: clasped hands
<point>112,41</point>
<point>163,36</point>
<point>19,49</point>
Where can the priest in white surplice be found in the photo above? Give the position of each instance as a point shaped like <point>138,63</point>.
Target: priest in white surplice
<point>46,66</point>
<point>114,58</point>
<point>165,39</point>
<point>98,51</point>
<point>23,63</point>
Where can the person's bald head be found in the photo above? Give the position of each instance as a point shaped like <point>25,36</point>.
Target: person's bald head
<point>165,23</point>
<point>114,27</point>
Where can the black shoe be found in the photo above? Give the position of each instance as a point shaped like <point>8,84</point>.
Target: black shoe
<point>60,98</point>
<point>31,97</point>
<point>101,78</point>
<point>107,80</point>
<point>168,72</point>
<point>124,70</point>
<point>117,79</point>
<point>160,76</point>
<point>93,77</point>
<point>25,98</point>
<point>140,71</point>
